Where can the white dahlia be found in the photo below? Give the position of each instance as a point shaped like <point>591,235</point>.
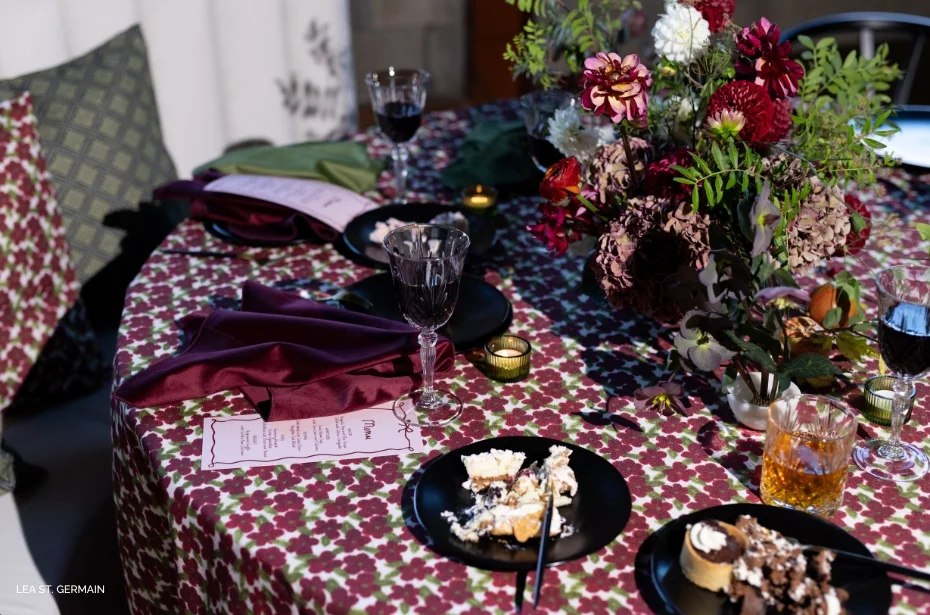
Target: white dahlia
<point>681,34</point>
<point>572,138</point>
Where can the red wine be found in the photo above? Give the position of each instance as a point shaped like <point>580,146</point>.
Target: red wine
<point>399,121</point>
<point>544,153</point>
<point>904,339</point>
<point>427,306</point>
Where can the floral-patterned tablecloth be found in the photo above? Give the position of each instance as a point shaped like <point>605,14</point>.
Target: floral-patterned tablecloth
<point>337,537</point>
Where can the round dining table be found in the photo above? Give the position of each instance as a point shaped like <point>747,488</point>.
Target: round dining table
<point>341,537</point>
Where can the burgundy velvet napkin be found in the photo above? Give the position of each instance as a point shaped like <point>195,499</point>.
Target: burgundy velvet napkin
<point>291,357</point>
<point>251,219</point>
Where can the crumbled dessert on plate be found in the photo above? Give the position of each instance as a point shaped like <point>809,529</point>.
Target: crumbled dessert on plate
<point>510,501</point>
<point>760,569</point>
<point>774,572</point>
<point>455,219</point>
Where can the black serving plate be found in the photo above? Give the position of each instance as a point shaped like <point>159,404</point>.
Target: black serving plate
<point>221,230</point>
<point>869,589</point>
<point>481,230</point>
<point>481,312</point>
<point>598,512</point>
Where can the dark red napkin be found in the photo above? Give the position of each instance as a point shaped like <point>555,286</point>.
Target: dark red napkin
<point>292,358</point>
<point>248,218</point>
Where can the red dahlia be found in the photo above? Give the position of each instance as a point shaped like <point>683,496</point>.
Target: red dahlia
<point>716,12</point>
<point>660,176</point>
<point>747,101</point>
<point>856,241</point>
<point>764,59</point>
<point>781,120</point>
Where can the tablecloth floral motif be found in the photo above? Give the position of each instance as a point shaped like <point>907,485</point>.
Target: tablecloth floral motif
<point>37,282</point>
<point>338,537</point>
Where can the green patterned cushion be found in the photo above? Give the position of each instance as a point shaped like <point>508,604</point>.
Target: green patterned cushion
<point>100,133</point>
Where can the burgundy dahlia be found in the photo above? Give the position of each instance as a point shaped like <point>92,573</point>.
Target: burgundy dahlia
<point>740,108</point>
<point>763,59</point>
<point>660,176</point>
<point>781,120</point>
<point>616,86</point>
<point>716,12</point>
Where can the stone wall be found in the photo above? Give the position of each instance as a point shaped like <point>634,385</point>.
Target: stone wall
<point>433,34</point>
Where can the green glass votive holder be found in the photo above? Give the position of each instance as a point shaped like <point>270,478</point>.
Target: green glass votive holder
<point>507,358</point>
<point>879,396</point>
<point>480,199</point>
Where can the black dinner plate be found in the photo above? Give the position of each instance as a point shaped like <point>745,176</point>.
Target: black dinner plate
<point>481,312</point>
<point>481,231</point>
<point>869,589</point>
<point>598,512</point>
<point>220,230</point>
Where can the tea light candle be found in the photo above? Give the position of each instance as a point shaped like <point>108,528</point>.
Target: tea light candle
<point>879,397</point>
<point>508,358</point>
<point>480,199</point>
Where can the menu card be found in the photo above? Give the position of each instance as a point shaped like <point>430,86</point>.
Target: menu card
<point>247,441</point>
<point>330,204</point>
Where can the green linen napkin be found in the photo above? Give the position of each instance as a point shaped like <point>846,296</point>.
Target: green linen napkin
<point>495,154</point>
<point>344,163</point>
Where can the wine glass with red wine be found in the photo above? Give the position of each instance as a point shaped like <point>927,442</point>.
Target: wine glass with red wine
<point>426,265</point>
<point>397,98</point>
<point>538,109</point>
<point>904,343</point>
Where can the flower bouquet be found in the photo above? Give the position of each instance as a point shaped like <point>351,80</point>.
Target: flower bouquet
<point>726,173</point>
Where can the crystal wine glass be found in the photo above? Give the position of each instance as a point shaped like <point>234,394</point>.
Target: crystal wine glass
<point>538,109</point>
<point>397,98</point>
<point>426,264</point>
<point>904,343</point>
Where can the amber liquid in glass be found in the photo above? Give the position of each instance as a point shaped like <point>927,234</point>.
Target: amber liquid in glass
<point>804,472</point>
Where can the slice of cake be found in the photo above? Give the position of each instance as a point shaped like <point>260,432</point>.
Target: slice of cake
<point>562,476</point>
<point>708,555</point>
<point>486,468</point>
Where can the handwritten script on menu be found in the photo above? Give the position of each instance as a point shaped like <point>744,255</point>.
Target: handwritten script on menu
<point>333,205</point>
<point>248,441</point>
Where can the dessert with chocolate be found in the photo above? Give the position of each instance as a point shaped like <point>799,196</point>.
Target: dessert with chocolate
<point>709,552</point>
<point>510,501</point>
<point>773,575</point>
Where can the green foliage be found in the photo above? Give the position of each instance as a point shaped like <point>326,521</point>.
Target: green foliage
<point>844,106</point>
<point>556,32</point>
<point>924,230</point>
<point>733,168</point>
<point>809,366</point>
<point>536,7</point>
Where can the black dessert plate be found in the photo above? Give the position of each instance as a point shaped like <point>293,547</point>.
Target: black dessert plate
<point>869,590</point>
<point>481,312</point>
<point>598,512</point>
<point>481,231</point>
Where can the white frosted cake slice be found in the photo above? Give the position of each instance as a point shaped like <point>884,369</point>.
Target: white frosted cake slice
<point>495,465</point>
<point>563,477</point>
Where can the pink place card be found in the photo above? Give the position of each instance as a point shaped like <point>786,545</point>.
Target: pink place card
<point>247,441</point>
<point>333,205</point>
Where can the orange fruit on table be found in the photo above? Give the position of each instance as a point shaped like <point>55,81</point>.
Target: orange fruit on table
<point>825,298</point>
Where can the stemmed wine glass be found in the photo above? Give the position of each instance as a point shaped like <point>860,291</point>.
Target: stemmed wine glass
<point>538,109</point>
<point>426,264</point>
<point>904,343</point>
<point>397,98</point>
